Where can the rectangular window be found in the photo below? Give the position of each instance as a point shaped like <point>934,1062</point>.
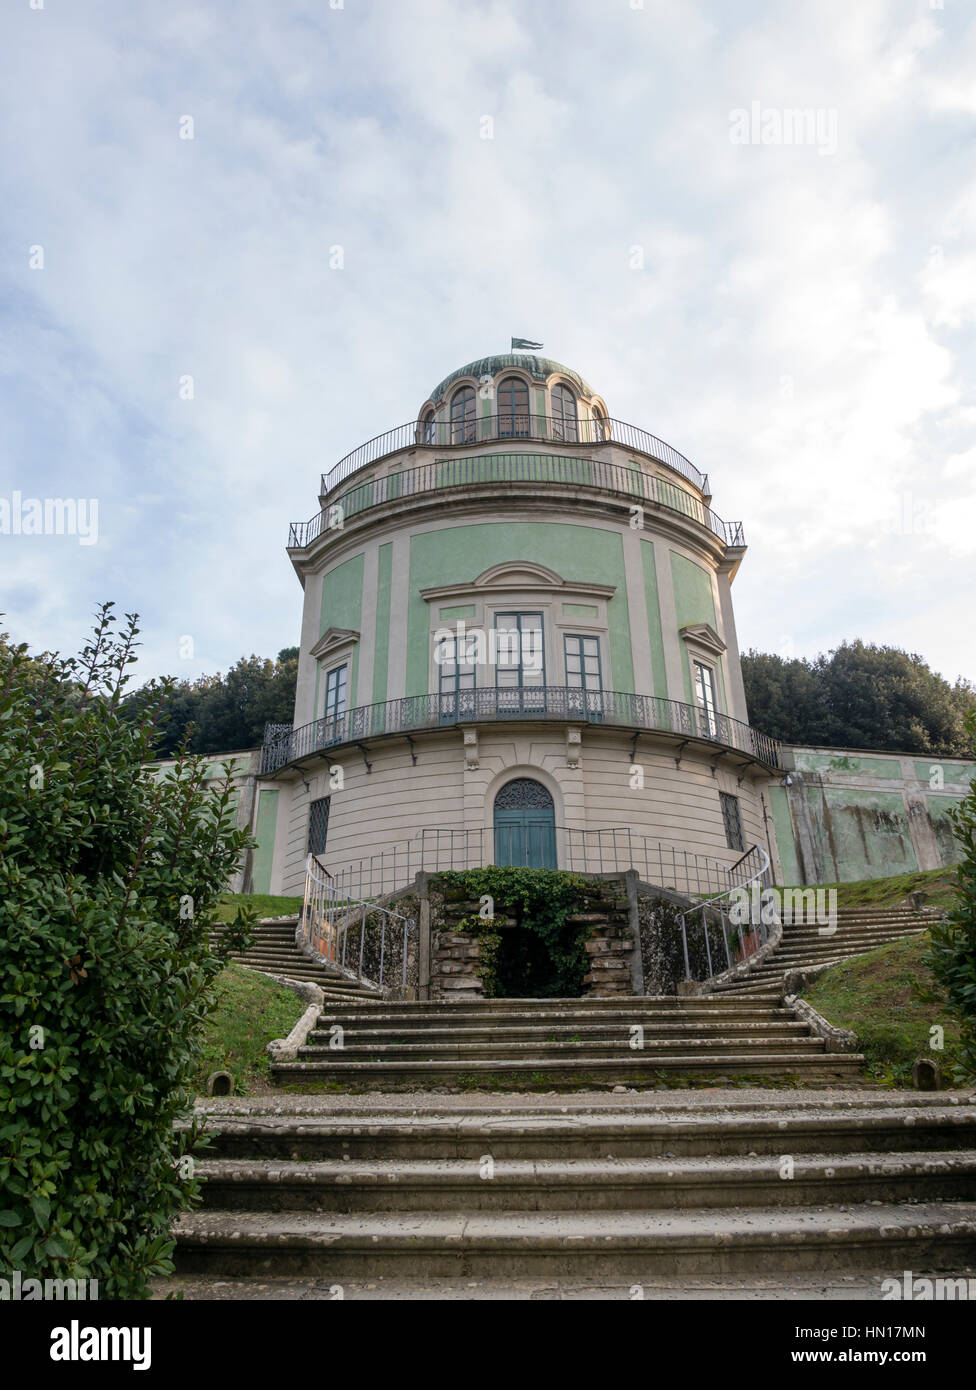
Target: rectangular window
<point>520,662</point>
<point>318,825</point>
<point>732,819</point>
<point>335,692</point>
<point>705,696</point>
<point>583,663</point>
<point>456,676</point>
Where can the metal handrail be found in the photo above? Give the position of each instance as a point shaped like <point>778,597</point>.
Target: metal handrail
<point>761,875</point>
<point>325,922</point>
<point>610,849</point>
<point>448,434</point>
<point>414,712</point>
<point>571,470</point>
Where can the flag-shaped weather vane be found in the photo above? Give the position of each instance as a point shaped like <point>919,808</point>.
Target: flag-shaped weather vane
<point>525,345</point>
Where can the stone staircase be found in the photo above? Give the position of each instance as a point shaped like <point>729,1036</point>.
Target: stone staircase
<point>275,952</point>
<point>805,946</point>
<point>561,1043</point>
<point>622,1188</point>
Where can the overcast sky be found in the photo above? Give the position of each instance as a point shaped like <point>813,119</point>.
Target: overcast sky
<point>797,318</point>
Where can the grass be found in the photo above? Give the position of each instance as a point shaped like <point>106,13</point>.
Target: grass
<point>263,903</point>
<point>251,1010</point>
<point>938,886</point>
<point>890,1001</point>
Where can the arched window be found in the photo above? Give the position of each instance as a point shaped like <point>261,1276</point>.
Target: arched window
<point>602,428</point>
<point>427,434</point>
<point>513,409</point>
<point>462,416</point>
<point>565,424</point>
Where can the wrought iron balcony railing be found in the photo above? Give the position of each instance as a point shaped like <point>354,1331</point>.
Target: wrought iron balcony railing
<point>572,470</point>
<point>607,707</point>
<point>448,434</point>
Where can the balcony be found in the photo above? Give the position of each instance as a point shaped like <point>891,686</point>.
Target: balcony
<point>471,470</point>
<point>446,434</point>
<point>608,708</point>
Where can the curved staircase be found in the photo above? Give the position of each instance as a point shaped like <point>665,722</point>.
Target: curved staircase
<point>275,952</point>
<point>806,946</point>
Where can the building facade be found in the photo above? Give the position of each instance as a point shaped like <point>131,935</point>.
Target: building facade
<point>518,644</point>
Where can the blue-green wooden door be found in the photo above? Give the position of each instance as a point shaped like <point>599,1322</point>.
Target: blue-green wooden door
<point>525,825</point>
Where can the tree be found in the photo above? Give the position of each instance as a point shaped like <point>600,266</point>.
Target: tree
<point>860,696</point>
<point>224,713</point>
<point>109,880</point>
<point>952,952</point>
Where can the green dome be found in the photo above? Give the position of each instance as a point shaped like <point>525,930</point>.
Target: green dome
<point>538,367</point>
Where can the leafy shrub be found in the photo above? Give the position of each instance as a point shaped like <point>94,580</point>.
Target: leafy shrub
<point>109,883</point>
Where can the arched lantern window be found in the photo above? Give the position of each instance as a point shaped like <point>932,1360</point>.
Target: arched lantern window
<point>463,416</point>
<point>565,423</point>
<point>513,409</point>
<point>427,434</point>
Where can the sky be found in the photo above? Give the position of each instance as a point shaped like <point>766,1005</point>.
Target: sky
<point>238,239</point>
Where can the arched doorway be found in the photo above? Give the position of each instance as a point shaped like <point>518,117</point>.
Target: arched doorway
<point>525,825</point>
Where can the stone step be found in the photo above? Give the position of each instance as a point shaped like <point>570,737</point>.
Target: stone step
<point>598,1032</point>
<point>542,1051</point>
<point>454,1020</point>
<point>581,1184</point>
<point>875,1123</point>
<point>552,1072</point>
<point>929,1236</point>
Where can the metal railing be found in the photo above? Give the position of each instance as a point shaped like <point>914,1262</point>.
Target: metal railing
<point>602,850</point>
<point>414,712</point>
<point>442,475</point>
<point>715,918</point>
<point>379,953</point>
<point>447,434</point>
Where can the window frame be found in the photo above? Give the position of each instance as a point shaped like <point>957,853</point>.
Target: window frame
<point>732,820</point>
<point>518,615</point>
<point>562,418</point>
<point>325,801</point>
<point>705,693</point>
<point>513,411</point>
<point>464,422</point>
<point>342,686</point>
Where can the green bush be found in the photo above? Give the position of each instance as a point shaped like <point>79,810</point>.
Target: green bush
<point>952,957</point>
<point>539,900</point>
<point>109,882</point>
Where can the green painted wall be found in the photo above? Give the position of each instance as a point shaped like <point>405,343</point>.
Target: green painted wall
<point>581,610</point>
<point>655,631</point>
<point>863,765</point>
<point>868,833</point>
<point>264,833</point>
<point>460,610</point>
<point>953,774</point>
<point>783,826</point>
<point>381,657</point>
<point>693,603</point>
<point>342,606</point>
<point>581,554</point>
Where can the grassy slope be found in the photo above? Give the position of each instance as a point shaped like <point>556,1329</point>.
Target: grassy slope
<point>263,904</point>
<point>879,996</point>
<point>938,886</point>
<point>251,1010</point>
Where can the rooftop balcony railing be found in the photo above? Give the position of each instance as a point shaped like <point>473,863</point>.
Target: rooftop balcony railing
<point>573,470</point>
<point>599,707</point>
<point>448,434</point>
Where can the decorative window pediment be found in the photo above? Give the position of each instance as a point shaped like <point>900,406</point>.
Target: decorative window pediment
<point>704,636</point>
<point>333,640</point>
<point>518,576</point>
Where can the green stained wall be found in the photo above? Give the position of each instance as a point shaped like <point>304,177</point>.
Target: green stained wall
<point>342,606</point>
<point>264,833</point>
<point>867,833</point>
<point>654,628</point>
<point>864,766</point>
<point>381,658</point>
<point>953,774</point>
<point>581,554</point>
<point>693,603</point>
<point>783,826</point>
